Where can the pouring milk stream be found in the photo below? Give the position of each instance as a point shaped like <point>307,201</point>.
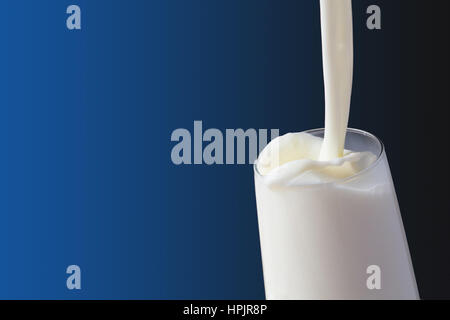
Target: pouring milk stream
<point>337,48</point>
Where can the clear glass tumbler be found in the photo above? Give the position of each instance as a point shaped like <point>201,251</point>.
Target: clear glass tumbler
<point>336,240</point>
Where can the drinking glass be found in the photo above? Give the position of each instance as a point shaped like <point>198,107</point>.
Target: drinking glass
<point>336,240</point>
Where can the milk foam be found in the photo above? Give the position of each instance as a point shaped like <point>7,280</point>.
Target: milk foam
<point>293,159</point>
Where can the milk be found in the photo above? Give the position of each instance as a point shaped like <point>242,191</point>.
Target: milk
<point>294,158</point>
<point>337,53</point>
<point>327,208</point>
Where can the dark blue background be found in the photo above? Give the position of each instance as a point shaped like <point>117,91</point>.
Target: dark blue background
<point>86,118</point>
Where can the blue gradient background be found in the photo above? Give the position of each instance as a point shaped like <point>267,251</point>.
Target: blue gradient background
<point>85,124</point>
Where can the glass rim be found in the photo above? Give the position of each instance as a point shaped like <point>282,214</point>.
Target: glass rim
<point>352,130</point>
